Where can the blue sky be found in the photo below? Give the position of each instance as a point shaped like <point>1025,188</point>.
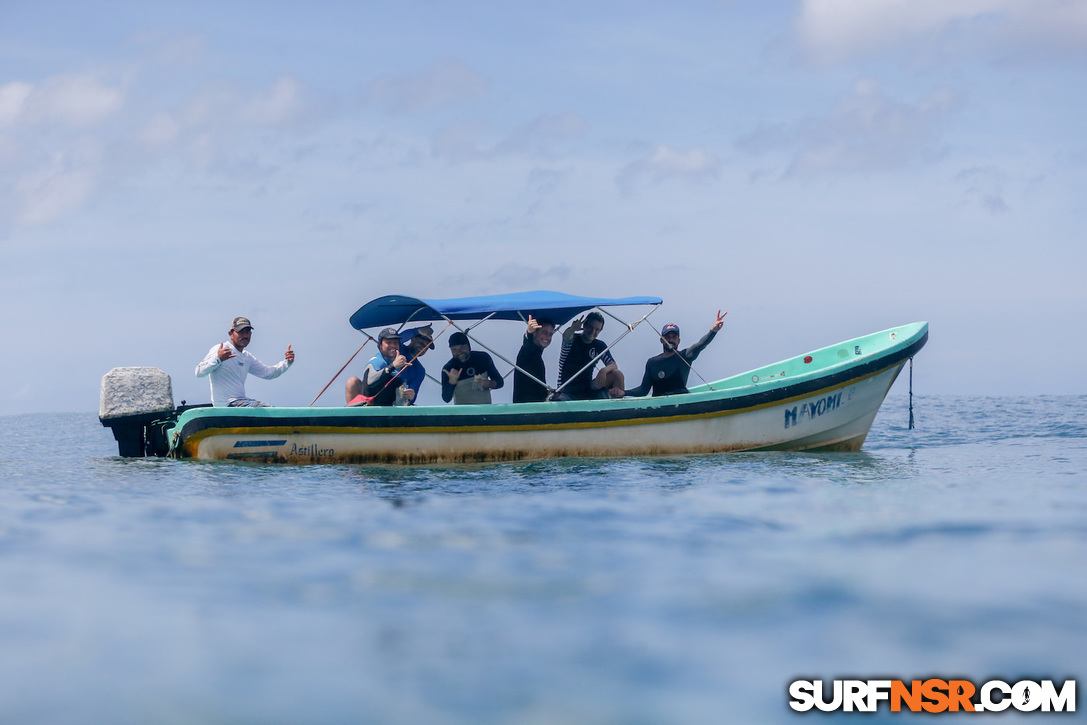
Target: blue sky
<point>820,169</point>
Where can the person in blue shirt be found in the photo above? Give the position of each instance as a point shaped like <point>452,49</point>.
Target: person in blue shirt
<point>392,369</point>
<point>414,344</point>
<point>381,378</point>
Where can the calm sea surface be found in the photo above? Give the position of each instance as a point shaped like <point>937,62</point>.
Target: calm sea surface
<point>668,590</point>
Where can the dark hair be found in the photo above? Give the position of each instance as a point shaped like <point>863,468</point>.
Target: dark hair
<point>545,321</point>
<point>459,338</point>
<point>594,315</point>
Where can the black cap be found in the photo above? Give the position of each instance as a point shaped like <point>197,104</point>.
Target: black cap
<point>387,333</point>
<point>459,338</point>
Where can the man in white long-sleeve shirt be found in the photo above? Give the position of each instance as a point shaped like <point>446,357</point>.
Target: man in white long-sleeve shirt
<point>229,363</point>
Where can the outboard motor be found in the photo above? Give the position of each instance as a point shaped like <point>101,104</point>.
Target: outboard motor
<point>137,403</point>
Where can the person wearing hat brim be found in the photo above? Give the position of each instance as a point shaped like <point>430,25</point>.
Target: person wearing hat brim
<point>666,374</point>
<point>381,379</point>
<point>228,364</point>
<point>415,343</point>
<point>470,375</point>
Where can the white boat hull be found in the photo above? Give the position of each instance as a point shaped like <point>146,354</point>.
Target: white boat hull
<point>834,418</point>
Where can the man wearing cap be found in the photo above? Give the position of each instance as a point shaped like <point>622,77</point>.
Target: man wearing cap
<point>382,378</point>
<point>414,344</point>
<point>228,364</point>
<point>469,376</point>
<point>666,374</point>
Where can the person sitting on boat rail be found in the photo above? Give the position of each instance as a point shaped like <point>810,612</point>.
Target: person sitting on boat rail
<point>666,374</point>
<point>414,344</point>
<point>469,376</point>
<point>580,344</point>
<point>530,360</point>
<point>228,363</point>
<point>381,379</point>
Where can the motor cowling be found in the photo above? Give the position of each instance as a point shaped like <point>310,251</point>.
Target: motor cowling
<point>135,404</point>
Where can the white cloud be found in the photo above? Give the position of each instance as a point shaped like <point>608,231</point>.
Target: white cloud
<point>223,106</point>
<point>457,143</point>
<point>442,84</point>
<point>50,171</point>
<point>985,188</point>
<point>208,123</point>
<point>53,192</point>
<point>75,100</point>
<point>181,51</point>
<point>280,103</point>
<point>13,97</point>
<point>160,130</point>
<point>542,136</point>
<point>865,132</point>
<point>837,29</point>
<point>543,133</point>
<point>665,163</point>
<point>52,133</point>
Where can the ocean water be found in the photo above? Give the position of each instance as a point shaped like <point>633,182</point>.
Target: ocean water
<point>664,590</point>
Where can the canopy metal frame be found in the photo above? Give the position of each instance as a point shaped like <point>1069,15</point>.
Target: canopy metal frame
<point>551,391</point>
<point>537,303</point>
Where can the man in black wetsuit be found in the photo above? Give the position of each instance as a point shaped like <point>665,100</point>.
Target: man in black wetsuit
<point>470,375</point>
<point>580,344</point>
<point>666,374</point>
<point>530,359</point>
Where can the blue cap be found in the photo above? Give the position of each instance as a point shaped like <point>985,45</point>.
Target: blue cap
<point>670,327</point>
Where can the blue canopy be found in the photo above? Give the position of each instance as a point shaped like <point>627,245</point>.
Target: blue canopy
<point>560,307</point>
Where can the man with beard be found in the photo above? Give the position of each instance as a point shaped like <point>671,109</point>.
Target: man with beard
<point>414,344</point>
<point>469,376</point>
<point>666,374</point>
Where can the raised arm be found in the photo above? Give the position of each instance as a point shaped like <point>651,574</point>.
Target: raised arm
<point>563,353</point>
<point>574,328</point>
<point>267,372</point>
<point>693,351</point>
<point>213,359</point>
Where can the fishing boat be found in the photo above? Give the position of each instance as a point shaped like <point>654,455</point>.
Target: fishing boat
<point>819,400</point>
